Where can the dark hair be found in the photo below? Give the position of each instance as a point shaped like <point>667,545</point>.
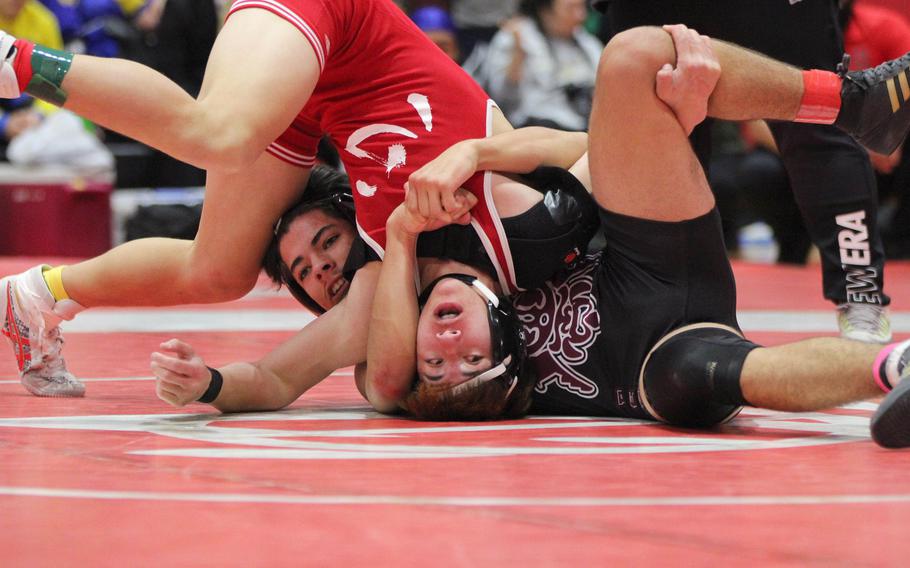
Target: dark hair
<point>504,391</point>
<point>486,401</point>
<point>327,190</point>
<point>532,8</point>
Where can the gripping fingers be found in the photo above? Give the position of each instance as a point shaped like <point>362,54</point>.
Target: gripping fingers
<point>423,202</point>
<point>435,206</point>
<point>167,387</point>
<point>449,202</point>
<point>463,201</point>
<point>179,348</point>
<point>168,394</point>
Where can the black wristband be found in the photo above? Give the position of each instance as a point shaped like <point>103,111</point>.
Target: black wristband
<point>214,389</point>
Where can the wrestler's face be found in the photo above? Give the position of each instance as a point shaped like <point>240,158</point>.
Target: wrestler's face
<point>564,16</point>
<point>453,335</point>
<point>315,248</point>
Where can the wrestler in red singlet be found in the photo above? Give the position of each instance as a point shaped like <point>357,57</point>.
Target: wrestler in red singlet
<point>391,101</point>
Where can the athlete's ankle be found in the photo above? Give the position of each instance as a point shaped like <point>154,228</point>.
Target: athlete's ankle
<point>821,100</point>
<point>40,71</point>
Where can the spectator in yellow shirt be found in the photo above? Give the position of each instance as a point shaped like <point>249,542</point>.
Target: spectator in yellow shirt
<point>30,19</point>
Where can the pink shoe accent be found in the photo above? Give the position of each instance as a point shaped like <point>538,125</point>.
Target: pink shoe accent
<point>882,382</point>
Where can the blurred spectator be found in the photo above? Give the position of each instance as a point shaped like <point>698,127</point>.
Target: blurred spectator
<point>752,184</point>
<point>97,27</point>
<point>174,37</point>
<point>765,193</point>
<point>16,116</point>
<point>477,21</point>
<point>873,34</point>
<point>437,24</point>
<point>27,19</point>
<point>541,67</point>
<point>723,176</point>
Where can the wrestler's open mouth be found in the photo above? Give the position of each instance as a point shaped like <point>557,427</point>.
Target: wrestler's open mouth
<point>448,311</point>
<point>337,287</point>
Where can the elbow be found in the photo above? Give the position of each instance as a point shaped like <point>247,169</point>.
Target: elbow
<point>385,394</point>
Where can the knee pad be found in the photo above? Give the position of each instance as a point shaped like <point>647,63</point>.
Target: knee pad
<point>691,376</point>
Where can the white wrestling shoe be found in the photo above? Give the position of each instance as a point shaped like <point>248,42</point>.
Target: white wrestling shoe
<point>868,323</point>
<point>31,321</point>
<point>9,84</point>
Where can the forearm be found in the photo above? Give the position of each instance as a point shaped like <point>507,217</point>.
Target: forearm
<point>525,149</point>
<point>335,340</point>
<point>250,387</point>
<point>391,344</point>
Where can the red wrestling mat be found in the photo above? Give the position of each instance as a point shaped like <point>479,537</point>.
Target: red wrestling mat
<point>119,478</point>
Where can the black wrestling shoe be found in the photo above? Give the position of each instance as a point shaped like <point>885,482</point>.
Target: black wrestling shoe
<point>874,104</point>
<point>891,421</point>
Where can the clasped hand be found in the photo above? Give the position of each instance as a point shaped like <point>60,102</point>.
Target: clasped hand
<point>434,193</point>
<point>687,87</point>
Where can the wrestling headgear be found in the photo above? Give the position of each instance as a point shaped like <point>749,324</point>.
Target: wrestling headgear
<point>506,335</point>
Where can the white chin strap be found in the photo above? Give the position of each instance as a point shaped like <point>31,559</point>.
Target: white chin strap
<point>488,375</point>
<point>488,294</point>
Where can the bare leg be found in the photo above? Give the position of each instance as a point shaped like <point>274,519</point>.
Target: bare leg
<point>641,162</point>
<point>810,375</point>
<point>221,264</point>
<point>248,96</point>
<point>754,86</point>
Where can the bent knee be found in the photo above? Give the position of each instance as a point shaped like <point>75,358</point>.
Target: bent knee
<point>635,55</point>
<point>692,376</point>
<point>212,285</point>
<point>222,142</point>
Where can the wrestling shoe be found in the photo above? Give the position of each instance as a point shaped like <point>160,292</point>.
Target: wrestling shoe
<point>31,321</point>
<point>864,322</point>
<point>890,426</point>
<point>874,104</point>
<point>9,84</point>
